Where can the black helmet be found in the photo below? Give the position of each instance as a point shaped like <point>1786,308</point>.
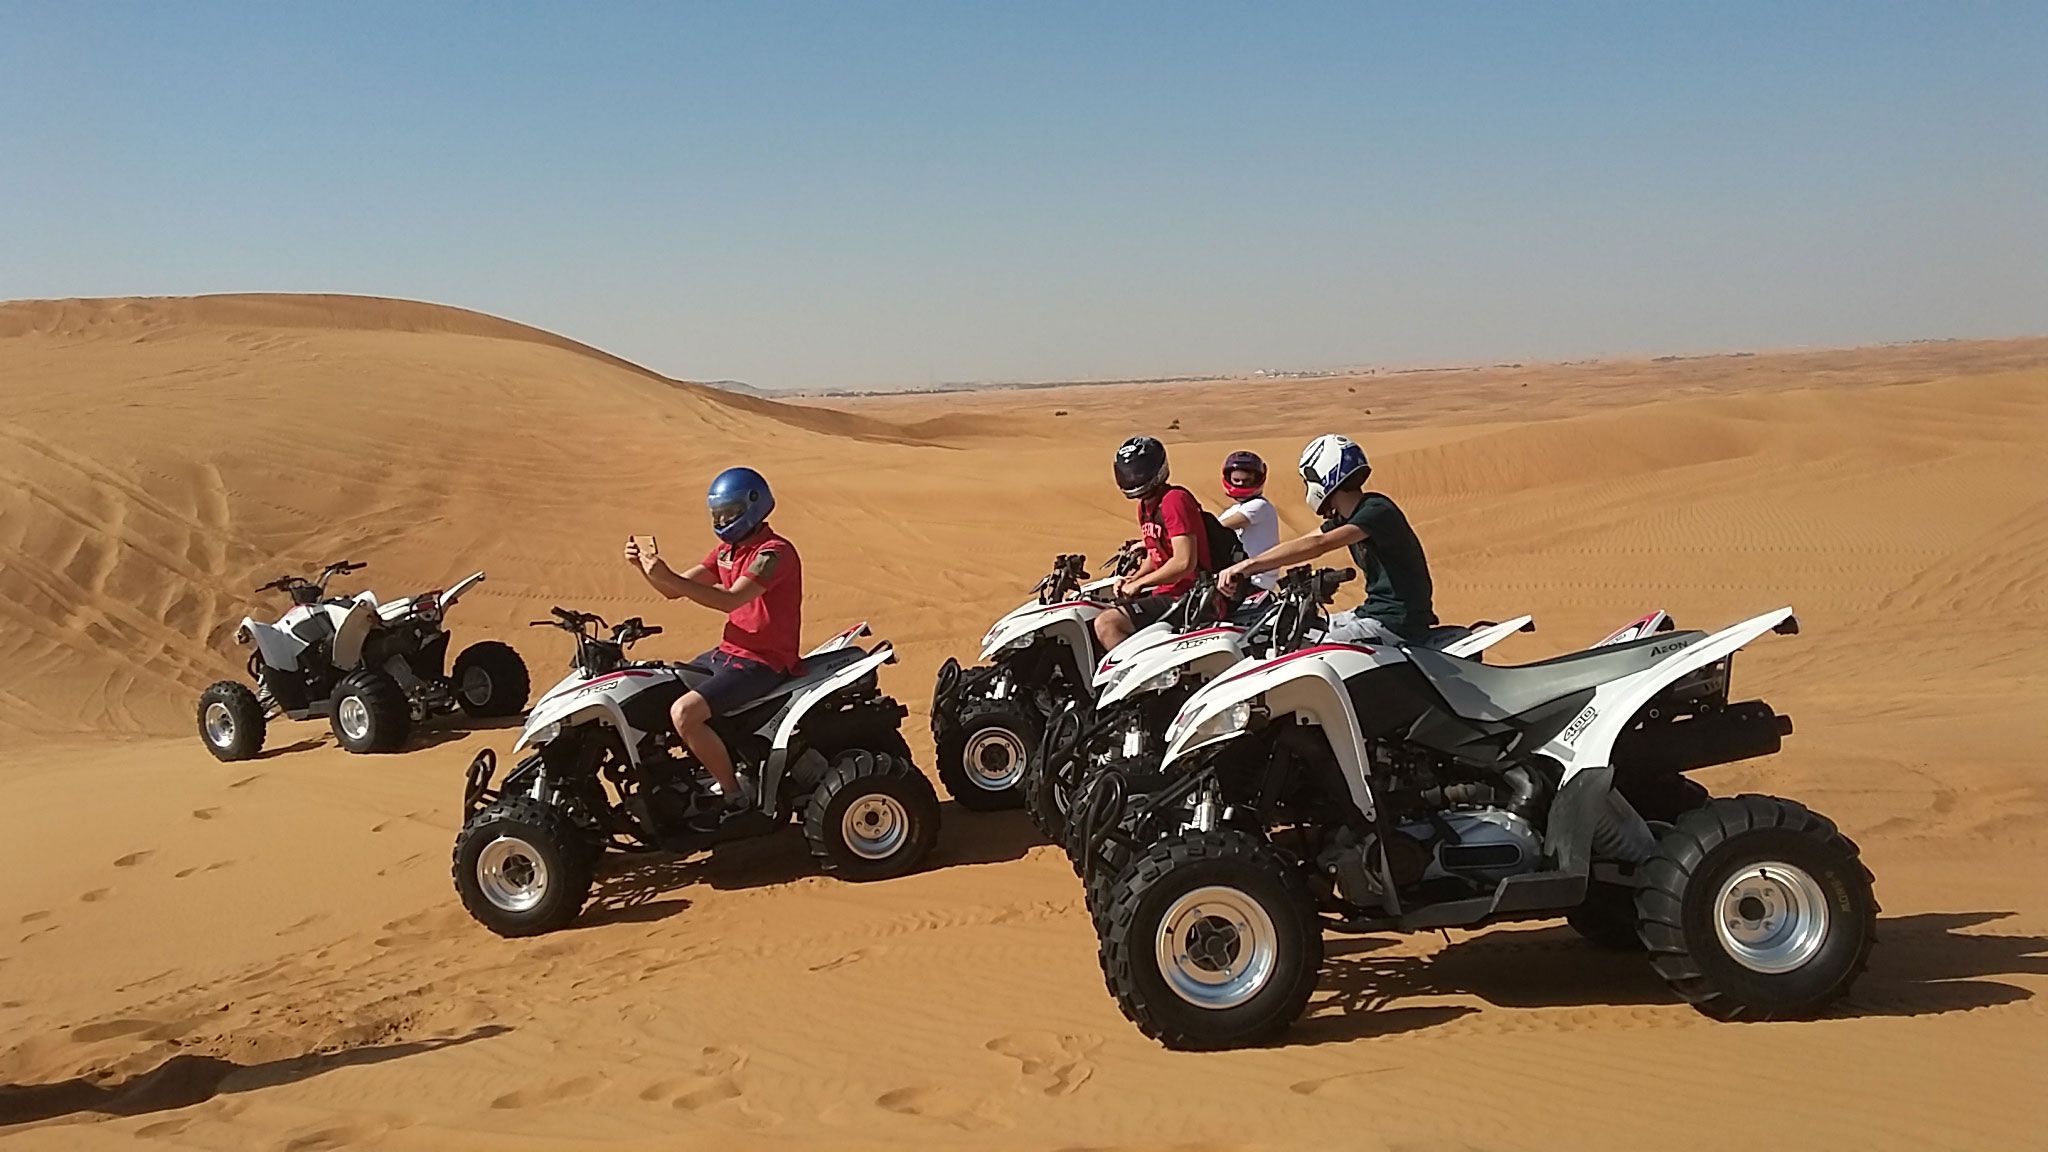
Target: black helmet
<point>1141,467</point>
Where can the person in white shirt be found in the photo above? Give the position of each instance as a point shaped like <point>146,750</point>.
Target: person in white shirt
<point>1253,518</point>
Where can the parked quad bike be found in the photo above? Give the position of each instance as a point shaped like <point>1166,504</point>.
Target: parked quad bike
<point>1374,788</point>
<point>372,669</point>
<point>1143,681</point>
<point>987,720</point>
<point>603,771</point>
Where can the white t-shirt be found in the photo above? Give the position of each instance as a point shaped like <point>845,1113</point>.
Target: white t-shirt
<point>1261,532</point>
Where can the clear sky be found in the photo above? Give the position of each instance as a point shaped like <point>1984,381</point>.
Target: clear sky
<point>868,194</point>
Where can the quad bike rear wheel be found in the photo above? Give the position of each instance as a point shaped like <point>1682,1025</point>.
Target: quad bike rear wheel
<point>983,758</point>
<point>522,868</point>
<point>490,679</point>
<point>369,712</point>
<point>1756,908</point>
<point>1210,940</point>
<point>231,721</point>
<point>873,817</point>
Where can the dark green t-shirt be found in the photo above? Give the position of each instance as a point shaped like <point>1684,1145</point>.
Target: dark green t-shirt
<point>1397,587</point>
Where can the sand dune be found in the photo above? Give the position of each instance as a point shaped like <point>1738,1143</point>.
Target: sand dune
<point>268,955</point>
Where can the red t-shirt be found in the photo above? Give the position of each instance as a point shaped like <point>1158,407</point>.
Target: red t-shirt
<point>1175,513</point>
<point>766,628</point>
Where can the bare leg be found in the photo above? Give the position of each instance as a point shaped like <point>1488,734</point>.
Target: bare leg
<point>1113,627</point>
<point>692,717</point>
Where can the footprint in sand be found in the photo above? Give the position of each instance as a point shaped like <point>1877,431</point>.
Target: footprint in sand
<point>134,858</point>
<point>245,781</point>
<point>1322,1084</point>
<point>943,1104</point>
<point>112,1029</point>
<point>302,925</point>
<point>853,957</point>
<point>350,1135</point>
<point>205,813</point>
<point>1055,1063</point>
<point>575,1089</point>
<point>715,1080</point>
<point>32,917</point>
<point>95,896</point>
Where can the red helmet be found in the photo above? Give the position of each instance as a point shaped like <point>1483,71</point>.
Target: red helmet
<point>1244,462</point>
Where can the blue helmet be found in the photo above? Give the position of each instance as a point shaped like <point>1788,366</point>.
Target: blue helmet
<point>740,502</point>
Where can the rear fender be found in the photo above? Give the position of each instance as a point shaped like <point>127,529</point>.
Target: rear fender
<point>792,716</point>
<point>1588,741</point>
<point>1484,638</point>
<point>1303,687</point>
<point>449,597</point>
<point>843,640</point>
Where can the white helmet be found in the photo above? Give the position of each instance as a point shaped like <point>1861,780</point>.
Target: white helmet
<point>1326,464</point>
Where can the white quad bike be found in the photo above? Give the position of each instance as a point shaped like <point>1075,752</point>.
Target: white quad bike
<point>1041,660</point>
<point>1374,788</point>
<point>988,720</point>
<point>1143,681</point>
<point>604,770</point>
<point>373,669</point>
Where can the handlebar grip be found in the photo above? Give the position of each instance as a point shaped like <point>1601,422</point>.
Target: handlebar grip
<point>654,631</point>
<point>564,613</point>
<point>540,623</point>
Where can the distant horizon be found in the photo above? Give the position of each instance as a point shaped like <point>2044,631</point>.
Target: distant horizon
<point>1330,371</point>
<point>868,197</point>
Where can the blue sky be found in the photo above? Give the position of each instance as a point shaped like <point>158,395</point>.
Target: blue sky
<point>900,194</point>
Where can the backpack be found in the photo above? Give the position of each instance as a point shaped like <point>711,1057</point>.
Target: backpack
<point>1225,548</point>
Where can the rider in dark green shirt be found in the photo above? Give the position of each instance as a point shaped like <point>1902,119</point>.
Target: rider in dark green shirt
<point>1397,585</point>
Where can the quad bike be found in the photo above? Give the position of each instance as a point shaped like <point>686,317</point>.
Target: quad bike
<point>604,771</point>
<point>1143,681</point>
<point>372,669</point>
<point>987,720</point>
<point>1373,788</point>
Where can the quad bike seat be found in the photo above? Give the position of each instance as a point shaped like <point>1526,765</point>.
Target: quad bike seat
<point>1485,692</point>
<point>816,668</point>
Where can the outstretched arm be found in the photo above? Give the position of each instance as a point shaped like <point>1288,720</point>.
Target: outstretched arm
<point>1290,552</point>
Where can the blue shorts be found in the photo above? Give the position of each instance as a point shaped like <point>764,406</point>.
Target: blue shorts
<point>735,681</point>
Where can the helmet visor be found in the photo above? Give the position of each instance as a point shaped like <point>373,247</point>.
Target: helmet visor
<point>727,510</point>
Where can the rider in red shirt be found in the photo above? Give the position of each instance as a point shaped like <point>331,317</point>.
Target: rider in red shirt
<point>756,578</point>
<point>1176,541</point>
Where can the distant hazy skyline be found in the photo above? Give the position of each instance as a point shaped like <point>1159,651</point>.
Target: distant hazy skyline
<point>874,195</point>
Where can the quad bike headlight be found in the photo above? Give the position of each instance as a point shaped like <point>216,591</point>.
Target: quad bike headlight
<point>242,634</point>
<point>1239,717</point>
<point>1161,682</point>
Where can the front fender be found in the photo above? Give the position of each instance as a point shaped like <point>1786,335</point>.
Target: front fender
<point>1203,654</point>
<point>1295,689</point>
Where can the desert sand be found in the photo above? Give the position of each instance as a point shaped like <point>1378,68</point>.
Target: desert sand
<point>269,955</point>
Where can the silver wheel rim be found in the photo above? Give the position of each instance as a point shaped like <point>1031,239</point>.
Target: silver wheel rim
<point>1217,947</point>
<point>220,725</point>
<point>476,686</point>
<point>512,874</point>
<point>994,758</point>
<point>875,826</point>
<point>1771,917</point>
<point>354,717</point>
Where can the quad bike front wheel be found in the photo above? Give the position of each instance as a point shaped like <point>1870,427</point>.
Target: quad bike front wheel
<point>231,721</point>
<point>522,868</point>
<point>369,712</point>
<point>1048,783</point>
<point>873,817</point>
<point>1756,908</point>
<point>490,680</point>
<point>982,760</point>
<point>1210,940</point>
